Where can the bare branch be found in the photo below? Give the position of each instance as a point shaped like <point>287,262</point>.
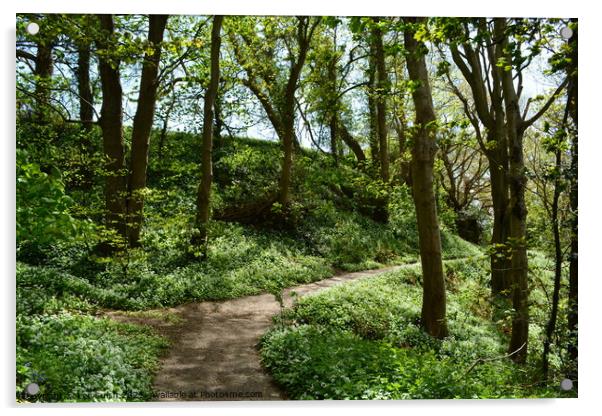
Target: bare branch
<point>527,123</point>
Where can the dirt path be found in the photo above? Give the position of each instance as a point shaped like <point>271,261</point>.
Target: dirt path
<point>213,353</point>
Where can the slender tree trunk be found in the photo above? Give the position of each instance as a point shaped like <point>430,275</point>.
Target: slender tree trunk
<point>519,263</point>
<point>165,125</point>
<point>111,123</point>
<point>86,111</point>
<point>372,119</point>
<point>498,159</point>
<point>405,176</point>
<point>44,67</point>
<point>287,112</point>
<point>143,123</point>
<point>378,118</point>
<point>573,259</point>
<point>86,100</point>
<point>423,157</point>
<point>219,122</point>
<point>517,209</point>
<point>352,143</point>
<point>163,135</point>
<point>334,106</point>
<point>573,195</point>
<point>199,240</point>
<point>333,138</point>
<point>489,109</point>
<point>280,107</point>
<point>381,106</point>
<point>551,326</point>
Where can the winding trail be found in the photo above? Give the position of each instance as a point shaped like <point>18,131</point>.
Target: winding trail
<point>213,353</point>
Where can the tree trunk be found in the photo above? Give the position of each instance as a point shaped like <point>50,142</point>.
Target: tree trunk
<point>143,123</point>
<point>423,157</point>
<point>163,135</point>
<point>86,111</point>
<point>519,263</point>
<point>111,123</point>
<point>551,326</point>
<point>279,104</point>
<point>199,239</point>
<point>516,208</point>
<point>287,112</point>
<point>334,105</point>
<point>498,159</point>
<point>86,100</point>
<point>405,176</point>
<point>165,124</point>
<point>573,195</point>
<point>288,138</point>
<point>219,121</point>
<point>372,119</point>
<point>333,138</point>
<point>500,260</point>
<point>489,110</point>
<point>573,259</point>
<point>352,143</point>
<point>381,107</point>
<point>43,72</point>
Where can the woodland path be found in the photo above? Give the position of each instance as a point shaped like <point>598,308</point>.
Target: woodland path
<point>213,350</point>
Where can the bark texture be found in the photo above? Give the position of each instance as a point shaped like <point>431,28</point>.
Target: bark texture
<point>199,239</point>
<point>44,66</point>
<point>489,111</point>
<point>381,103</point>
<point>288,110</point>
<point>573,195</point>
<point>423,157</point>
<point>372,119</point>
<point>111,123</point>
<point>517,208</point>
<point>84,90</point>
<point>143,123</point>
<point>551,325</point>
<point>86,111</point>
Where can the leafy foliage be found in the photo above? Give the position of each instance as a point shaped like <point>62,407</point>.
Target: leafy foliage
<point>362,340</point>
<point>82,358</point>
<point>43,213</point>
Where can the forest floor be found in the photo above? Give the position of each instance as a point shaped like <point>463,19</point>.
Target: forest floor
<point>213,352</point>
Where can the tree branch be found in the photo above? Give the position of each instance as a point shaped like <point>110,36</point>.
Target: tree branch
<point>527,123</point>
<point>26,55</point>
<point>484,360</point>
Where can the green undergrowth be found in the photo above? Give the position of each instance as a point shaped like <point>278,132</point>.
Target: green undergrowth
<point>329,227</point>
<point>62,284</point>
<point>241,261</point>
<point>82,358</point>
<point>362,340</point>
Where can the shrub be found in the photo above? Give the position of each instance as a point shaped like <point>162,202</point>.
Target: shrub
<point>43,215</point>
